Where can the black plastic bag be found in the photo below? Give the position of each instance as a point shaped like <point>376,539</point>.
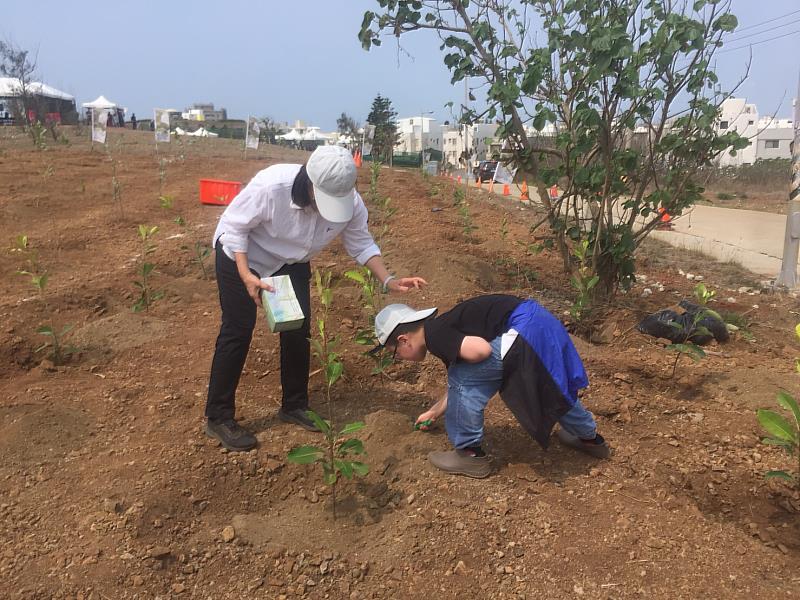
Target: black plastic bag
<point>680,328</point>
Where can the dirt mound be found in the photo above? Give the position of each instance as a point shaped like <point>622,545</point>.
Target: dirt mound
<point>32,433</point>
<point>119,332</point>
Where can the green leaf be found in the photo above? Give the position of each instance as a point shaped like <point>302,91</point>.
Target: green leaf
<point>797,330</point>
<point>776,425</point>
<point>305,455</point>
<point>351,446</point>
<point>693,351</point>
<point>321,423</point>
<point>790,404</point>
<point>333,372</point>
<point>355,276</point>
<point>45,330</point>
<point>344,467</point>
<point>352,428</point>
<point>779,475</point>
<point>360,468</point>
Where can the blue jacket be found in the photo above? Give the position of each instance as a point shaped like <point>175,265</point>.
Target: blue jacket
<point>542,371</point>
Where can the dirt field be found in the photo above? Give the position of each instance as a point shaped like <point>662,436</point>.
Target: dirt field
<point>110,489</point>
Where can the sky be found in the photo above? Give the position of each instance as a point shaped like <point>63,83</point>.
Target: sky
<point>302,59</point>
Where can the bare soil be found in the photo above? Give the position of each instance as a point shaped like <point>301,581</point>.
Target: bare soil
<point>110,489</point>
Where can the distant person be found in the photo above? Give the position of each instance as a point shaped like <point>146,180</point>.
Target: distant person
<point>285,216</point>
<point>490,344</point>
<point>120,117</point>
<point>133,121</point>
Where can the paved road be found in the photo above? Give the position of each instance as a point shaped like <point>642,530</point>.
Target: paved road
<point>750,238</point>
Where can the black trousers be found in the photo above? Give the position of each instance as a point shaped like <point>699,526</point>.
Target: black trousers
<point>239,314</point>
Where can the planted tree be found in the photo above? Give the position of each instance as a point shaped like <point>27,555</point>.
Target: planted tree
<point>618,105</point>
<point>336,459</point>
<point>59,352</point>
<point>784,432</point>
<point>146,294</point>
<point>347,125</point>
<point>687,346</point>
<point>370,294</point>
<point>385,138</point>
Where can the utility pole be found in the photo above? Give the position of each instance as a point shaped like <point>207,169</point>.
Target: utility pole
<point>791,244</point>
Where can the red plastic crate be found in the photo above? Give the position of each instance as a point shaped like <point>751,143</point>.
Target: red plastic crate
<point>218,192</point>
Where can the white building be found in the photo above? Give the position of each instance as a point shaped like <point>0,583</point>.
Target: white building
<point>417,134</point>
<point>480,142</point>
<point>774,138</point>
<point>769,137</point>
<point>204,112</point>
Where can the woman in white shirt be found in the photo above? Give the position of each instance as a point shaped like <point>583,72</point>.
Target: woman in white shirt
<point>275,225</point>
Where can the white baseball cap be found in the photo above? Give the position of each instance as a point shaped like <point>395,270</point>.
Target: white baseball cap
<point>393,315</point>
<point>333,174</point>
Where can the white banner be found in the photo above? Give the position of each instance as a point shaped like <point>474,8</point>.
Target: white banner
<point>161,120</point>
<point>366,148</point>
<point>504,175</point>
<point>99,124</point>
<point>253,132</point>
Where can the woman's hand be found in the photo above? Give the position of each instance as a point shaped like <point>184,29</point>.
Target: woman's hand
<point>405,284</point>
<point>254,286</point>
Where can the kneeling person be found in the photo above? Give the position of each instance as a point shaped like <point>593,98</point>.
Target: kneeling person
<point>489,344</point>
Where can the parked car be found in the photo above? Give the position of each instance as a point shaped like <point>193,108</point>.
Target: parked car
<point>485,170</point>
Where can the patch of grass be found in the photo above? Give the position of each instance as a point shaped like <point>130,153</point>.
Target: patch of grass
<point>725,196</point>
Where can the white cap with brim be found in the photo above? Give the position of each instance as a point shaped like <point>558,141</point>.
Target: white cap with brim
<point>333,174</point>
<point>393,315</point>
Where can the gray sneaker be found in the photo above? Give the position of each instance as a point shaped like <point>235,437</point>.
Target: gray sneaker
<point>297,416</point>
<point>231,435</point>
<point>597,447</point>
<point>460,462</point>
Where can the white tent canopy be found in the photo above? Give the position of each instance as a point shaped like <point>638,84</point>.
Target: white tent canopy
<point>313,135</point>
<point>9,87</point>
<point>100,102</point>
<point>292,136</point>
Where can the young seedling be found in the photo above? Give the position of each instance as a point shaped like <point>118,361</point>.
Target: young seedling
<point>59,352</point>
<point>783,432</point>
<point>467,226</point>
<point>201,253</point>
<point>504,228</point>
<point>374,175</point>
<point>336,458</point>
<point>370,290</point>
<point>686,347</point>
<point>116,188</point>
<point>583,281</point>
<point>146,296</point>
<point>166,202</point>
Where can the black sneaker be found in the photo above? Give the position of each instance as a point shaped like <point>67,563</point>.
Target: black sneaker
<point>297,416</point>
<point>231,435</point>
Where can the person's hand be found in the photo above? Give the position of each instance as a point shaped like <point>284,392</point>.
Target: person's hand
<point>428,415</point>
<point>254,286</point>
<point>404,284</point>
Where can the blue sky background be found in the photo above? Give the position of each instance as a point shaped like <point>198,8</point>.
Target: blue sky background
<point>302,59</point>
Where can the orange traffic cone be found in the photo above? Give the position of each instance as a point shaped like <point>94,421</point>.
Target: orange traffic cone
<point>360,161</point>
<point>491,186</point>
<point>524,192</point>
<point>554,192</point>
<point>506,190</point>
<point>459,179</point>
<point>477,182</point>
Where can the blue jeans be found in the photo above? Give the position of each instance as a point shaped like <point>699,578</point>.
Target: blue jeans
<point>469,388</point>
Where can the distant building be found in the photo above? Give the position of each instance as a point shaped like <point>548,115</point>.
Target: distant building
<point>481,143</point>
<point>417,134</point>
<point>769,137</point>
<point>204,112</point>
<point>774,138</point>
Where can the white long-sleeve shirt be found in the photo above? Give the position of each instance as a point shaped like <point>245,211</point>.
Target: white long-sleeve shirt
<point>263,221</point>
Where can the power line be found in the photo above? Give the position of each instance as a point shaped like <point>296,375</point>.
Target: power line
<point>736,37</point>
<point>794,12</point>
<point>777,37</point>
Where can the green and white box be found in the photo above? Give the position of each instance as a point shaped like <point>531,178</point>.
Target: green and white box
<point>281,305</point>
